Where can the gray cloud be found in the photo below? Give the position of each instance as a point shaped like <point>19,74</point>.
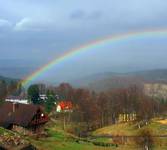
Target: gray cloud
<point>80,14</point>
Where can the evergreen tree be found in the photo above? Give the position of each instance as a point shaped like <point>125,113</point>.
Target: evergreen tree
<point>33,94</point>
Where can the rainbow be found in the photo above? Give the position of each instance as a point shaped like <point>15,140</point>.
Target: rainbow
<point>92,46</point>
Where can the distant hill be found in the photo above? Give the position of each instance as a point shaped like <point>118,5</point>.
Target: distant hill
<point>159,75</point>
<point>85,81</point>
<point>7,79</point>
<point>110,80</point>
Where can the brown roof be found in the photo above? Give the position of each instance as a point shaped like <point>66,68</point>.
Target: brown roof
<point>21,114</point>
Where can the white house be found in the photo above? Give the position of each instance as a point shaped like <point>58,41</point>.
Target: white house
<point>17,99</point>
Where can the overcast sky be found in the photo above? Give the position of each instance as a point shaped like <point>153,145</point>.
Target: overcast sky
<point>33,32</point>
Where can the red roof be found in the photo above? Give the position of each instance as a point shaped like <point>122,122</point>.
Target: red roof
<point>65,105</point>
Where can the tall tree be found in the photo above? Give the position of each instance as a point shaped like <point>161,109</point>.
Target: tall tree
<point>33,94</point>
<point>102,102</point>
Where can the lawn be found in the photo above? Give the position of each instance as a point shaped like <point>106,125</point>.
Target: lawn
<point>60,140</point>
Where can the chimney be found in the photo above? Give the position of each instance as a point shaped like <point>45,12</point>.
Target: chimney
<point>15,106</point>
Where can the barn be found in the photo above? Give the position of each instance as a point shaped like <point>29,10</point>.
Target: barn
<point>27,118</point>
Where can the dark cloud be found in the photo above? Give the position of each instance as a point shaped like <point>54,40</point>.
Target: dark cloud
<point>42,30</point>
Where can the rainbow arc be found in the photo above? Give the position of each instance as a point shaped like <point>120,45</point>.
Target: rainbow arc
<point>92,46</point>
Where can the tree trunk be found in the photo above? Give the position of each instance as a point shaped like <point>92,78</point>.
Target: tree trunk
<point>102,119</point>
<point>64,122</point>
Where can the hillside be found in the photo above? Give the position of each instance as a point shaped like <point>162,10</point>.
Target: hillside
<point>158,127</point>
<point>157,90</point>
<point>110,80</point>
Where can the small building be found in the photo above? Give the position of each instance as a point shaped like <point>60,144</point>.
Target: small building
<point>64,106</point>
<point>43,97</point>
<point>27,118</point>
<point>127,117</point>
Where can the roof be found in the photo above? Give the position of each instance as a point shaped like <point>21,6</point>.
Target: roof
<point>65,105</point>
<point>16,97</point>
<point>19,114</point>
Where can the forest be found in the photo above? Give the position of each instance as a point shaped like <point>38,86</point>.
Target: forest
<point>93,109</point>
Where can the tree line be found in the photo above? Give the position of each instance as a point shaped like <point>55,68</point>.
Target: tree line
<point>100,109</point>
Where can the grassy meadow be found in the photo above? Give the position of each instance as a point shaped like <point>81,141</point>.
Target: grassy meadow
<point>58,139</point>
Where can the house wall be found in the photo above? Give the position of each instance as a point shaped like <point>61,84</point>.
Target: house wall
<point>28,131</point>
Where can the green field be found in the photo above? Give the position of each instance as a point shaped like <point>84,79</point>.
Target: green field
<point>57,139</point>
